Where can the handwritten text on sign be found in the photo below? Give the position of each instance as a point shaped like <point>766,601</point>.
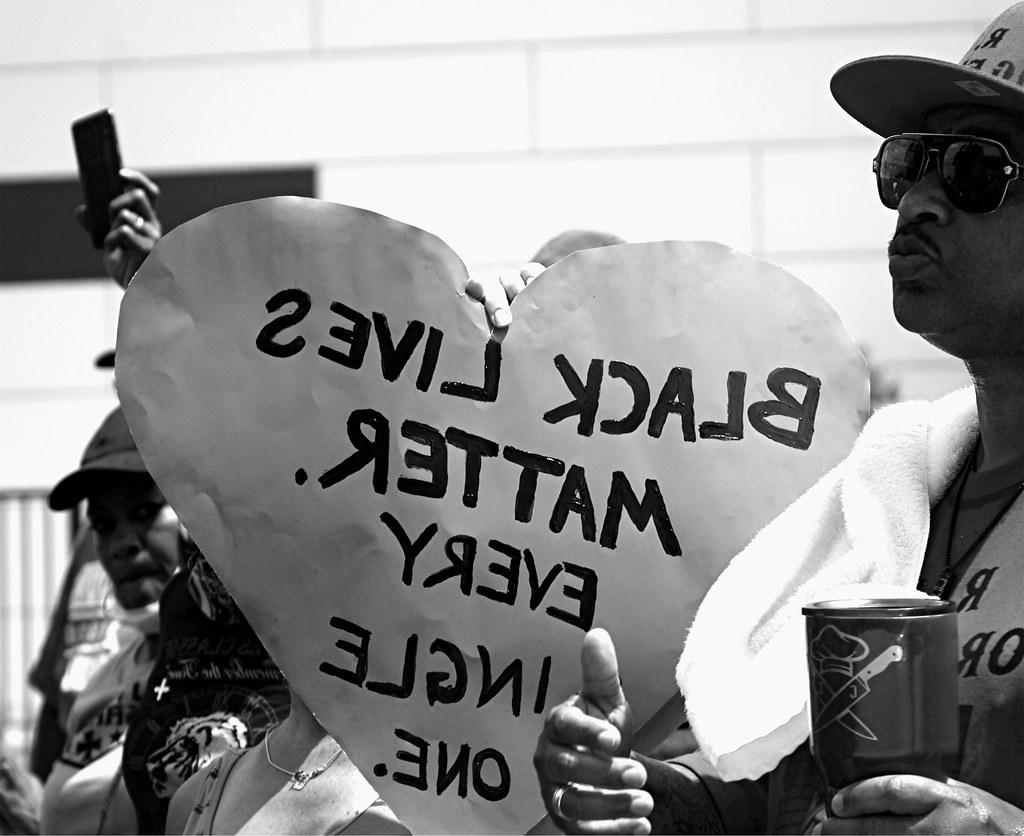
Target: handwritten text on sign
<point>419,522</point>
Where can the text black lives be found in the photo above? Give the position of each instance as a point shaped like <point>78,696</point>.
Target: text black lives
<point>369,431</point>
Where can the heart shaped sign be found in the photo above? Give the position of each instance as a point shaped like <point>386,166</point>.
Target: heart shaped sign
<point>421,523</point>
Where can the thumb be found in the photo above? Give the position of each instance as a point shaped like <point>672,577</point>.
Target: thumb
<point>601,684</point>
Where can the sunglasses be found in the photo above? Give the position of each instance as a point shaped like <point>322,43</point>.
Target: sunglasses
<point>975,172</point>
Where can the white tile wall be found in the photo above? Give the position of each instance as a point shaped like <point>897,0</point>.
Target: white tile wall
<point>36,110</point>
<point>503,210</point>
<point>725,90</point>
<point>52,397</point>
<point>55,350</point>
<point>922,13</point>
<point>494,123</point>
<point>824,197</point>
<point>60,31</point>
<point>258,111</point>
<point>43,437</point>
<point>398,22</point>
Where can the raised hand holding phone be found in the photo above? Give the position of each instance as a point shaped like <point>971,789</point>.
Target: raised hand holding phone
<point>99,169</point>
<point>120,204</point>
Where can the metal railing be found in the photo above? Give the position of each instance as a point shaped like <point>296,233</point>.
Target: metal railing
<point>35,547</point>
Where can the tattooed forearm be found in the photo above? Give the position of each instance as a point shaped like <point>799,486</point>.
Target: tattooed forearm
<point>681,803</point>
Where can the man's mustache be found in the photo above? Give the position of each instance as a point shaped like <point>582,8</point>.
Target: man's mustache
<point>910,238</point>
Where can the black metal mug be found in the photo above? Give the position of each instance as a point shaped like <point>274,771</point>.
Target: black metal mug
<point>883,695</point>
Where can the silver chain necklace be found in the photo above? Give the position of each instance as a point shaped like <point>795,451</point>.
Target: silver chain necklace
<point>299,777</point>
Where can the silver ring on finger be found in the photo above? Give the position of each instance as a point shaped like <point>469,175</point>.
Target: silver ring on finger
<point>139,222</point>
<point>556,801</point>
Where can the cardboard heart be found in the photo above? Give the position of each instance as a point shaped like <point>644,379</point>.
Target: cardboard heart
<point>421,524</point>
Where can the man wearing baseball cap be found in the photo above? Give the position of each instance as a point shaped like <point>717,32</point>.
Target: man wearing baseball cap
<point>139,544</point>
<point>136,532</point>
<point>74,646</point>
<point>930,500</point>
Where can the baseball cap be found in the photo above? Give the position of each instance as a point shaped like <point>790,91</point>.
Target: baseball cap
<point>111,450</point>
<point>891,94</point>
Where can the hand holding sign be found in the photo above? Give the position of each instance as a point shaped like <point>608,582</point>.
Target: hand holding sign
<point>422,524</point>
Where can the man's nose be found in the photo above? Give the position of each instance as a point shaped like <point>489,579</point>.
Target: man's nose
<point>125,542</point>
<point>926,200</point>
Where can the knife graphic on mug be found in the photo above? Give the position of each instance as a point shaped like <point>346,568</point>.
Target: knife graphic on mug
<point>847,695</point>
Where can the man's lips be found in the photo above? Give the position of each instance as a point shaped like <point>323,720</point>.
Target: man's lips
<point>910,245</point>
<point>909,254</point>
<point>137,575</point>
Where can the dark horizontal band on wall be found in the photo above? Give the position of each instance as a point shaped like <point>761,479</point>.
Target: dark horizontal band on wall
<point>40,240</point>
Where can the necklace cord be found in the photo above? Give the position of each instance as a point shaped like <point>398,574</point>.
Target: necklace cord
<point>299,777</point>
<point>948,578</point>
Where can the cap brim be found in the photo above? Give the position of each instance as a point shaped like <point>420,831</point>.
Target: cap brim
<point>891,94</point>
<point>75,487</point>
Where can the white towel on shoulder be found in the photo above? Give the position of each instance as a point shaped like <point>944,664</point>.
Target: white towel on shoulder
<point>860,532</point>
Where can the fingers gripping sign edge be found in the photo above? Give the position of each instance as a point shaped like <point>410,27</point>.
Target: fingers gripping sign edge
<point>497,292</point>
<point>489,292</point>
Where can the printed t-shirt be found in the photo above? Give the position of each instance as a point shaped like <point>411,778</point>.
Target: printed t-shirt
<point>213,688</point>
<point>990,616</point>
<point>87,772</point>
<point>82,636</point>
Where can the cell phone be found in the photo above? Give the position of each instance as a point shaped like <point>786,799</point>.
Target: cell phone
<point>99,169</point>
